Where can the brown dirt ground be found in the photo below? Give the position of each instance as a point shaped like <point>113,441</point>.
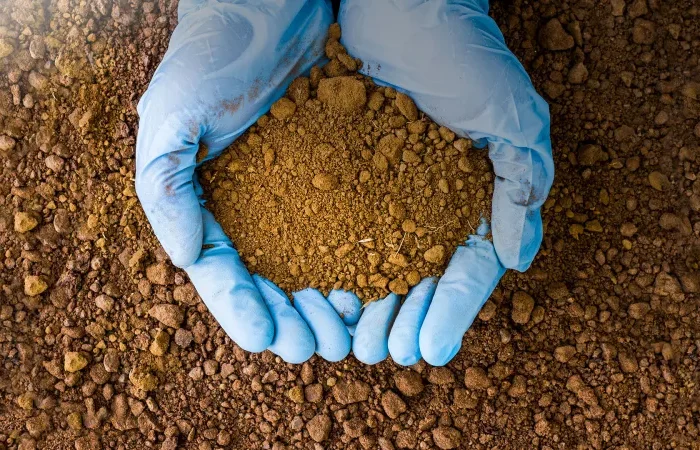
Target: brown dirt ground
<point>608,358</point>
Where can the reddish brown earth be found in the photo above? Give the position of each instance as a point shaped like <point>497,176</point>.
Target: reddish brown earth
<point>606,355</point>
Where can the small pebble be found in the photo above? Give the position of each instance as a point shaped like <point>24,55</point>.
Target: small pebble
<point>476,378</point>
<point>319,427</point>
<point>25,222</point>
<point>435,255</point>
<point>393,405</point>
<point>74,361</point>
<point>160,343</point>
<point>167,314</point>
<point>34,285</point>
<point>447,438</point>
<point>408,382</point>
<point>283,108</point>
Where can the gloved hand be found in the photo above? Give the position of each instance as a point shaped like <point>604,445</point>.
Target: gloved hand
<point>451,58</point>
<point>330,322</point>
<point>227,62</point>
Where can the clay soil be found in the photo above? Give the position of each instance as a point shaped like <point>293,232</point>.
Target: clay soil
<point>105,345</point>
<point>346,185</point>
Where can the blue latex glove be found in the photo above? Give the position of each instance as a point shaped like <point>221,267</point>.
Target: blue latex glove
<point>227,62</point>
<point>348,306</point>
<point>332,320</point>
<point>451,58</point>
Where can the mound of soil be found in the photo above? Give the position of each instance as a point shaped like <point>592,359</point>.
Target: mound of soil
<point>346,184</point>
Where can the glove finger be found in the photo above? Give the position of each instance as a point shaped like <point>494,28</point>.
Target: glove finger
<point>293,341</point>
<point>347,305</point>
<point>164,172</point>
<point>522,182</point>
<point>471,276</point>
<point>403,339</point>
<point>332,337</point>
<point>229,291</point>
<point>370,342</point>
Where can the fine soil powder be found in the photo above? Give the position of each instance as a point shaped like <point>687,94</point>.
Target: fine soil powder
<point>346,184</point>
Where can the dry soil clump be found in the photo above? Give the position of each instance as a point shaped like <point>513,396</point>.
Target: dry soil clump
<point>345,185</point>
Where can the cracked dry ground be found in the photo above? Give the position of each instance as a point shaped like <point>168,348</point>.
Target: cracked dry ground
<point>105,345</point>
